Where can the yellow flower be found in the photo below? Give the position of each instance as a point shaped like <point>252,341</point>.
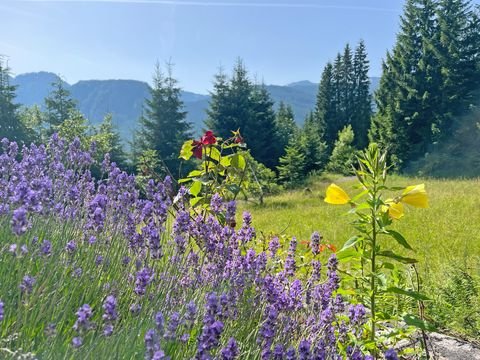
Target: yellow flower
<point>395,210</point>
<point>416,196</point>
<point>336,195</point>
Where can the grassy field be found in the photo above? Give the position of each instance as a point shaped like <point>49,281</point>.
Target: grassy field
<point>445,237</point>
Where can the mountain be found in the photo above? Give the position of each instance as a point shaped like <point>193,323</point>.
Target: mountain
<point>124,98</point>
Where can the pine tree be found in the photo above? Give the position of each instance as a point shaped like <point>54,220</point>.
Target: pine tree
<point>237,103</point>
<point>291,170</point>
<point>343,154</point>
<point>362,99</point>
<point>163,125</point>
<point>109,138</point>
<point>10,125</point>
<point>285,125</point>
<point>59,105</point>
<point>347,78</point>
<point>312,145</point>
<point>325,108</point>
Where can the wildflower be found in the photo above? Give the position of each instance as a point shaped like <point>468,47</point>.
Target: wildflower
<point>144,278</point>
<point>315,243</point>
<point>77,342</point>
<point>416,196</point>
<point>391,354</point>
<point>230,351</point>
<point>27,284</point>
<point>84,314</point>
<point>110,308</point>
<point>208,138</point>
<point>46,248</point>
<point>71,246</point>
<point>19,221</point>
<point>2,310</point>
<point>336,195</point>
<point>394,209</point>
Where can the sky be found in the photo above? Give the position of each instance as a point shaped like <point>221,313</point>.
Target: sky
<point>280,41</point>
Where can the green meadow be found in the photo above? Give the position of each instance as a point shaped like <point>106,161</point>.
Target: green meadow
<point>445,238</point>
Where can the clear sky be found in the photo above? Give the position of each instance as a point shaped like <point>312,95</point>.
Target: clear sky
<point>281,41</point>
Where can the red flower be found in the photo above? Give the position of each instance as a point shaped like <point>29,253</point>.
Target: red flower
<point>238,139</point>
<point>208,138</point>
<point>197,149</point>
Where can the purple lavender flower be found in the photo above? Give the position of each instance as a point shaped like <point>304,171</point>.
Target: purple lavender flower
<point>110,309</point>
<point>230,351</point>
<point>151,343</point>
<point>2,310</point>
<point>19,221</point>
<point>135,309</point>
<point>291,354</point>
<point>108,330</point>
<point>231,209</point>
<point>24,250</point>
<point>77,342</point>
<point>143,279</point>
<point>391,354</point>
<point>278,352</point>
<point>71,246</point>
<point>191,313</point>
<point>304,350</point>
<point>12,249</point>
<point>315,243</point>
<point>46,248</point>
<point>216,204</point>
<point>99,260</point>
<point>27,284</point>
<point>173,324</point>
<point>273,246</point>
<point>84,314</point>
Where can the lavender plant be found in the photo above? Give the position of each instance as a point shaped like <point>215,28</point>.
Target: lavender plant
<point>96,268</point>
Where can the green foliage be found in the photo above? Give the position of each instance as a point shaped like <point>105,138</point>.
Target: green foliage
<point>343,96</point>
<point>285,124</point>
<point>376,277</point>
<point>108,140</point>
<point>10,125</point>
<point>291,170</point>
<point>163,125</point>
<point>312,146</point>
<point>428,79</point>
<point>59,106</point>
<point>222,169</point>
<point>343,155</point>
<point>237,103</point>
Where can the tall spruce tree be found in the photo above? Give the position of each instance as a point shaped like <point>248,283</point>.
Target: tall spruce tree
<point>59,105</point>
<point>285,125</point>
<point>163,125</point>
<point>325,108</point>
<point>362,100</point>
<point>10,125</point>
<point>237,103</point>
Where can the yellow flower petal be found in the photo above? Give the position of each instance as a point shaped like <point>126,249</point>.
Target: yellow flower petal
<point>395,210</point>
<point>415,195</point>
<point>336,195</point>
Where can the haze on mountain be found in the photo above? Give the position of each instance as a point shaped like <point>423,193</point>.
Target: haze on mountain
<point>124,98</point>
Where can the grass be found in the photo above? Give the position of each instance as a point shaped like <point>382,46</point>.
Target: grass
<point>445,237</point>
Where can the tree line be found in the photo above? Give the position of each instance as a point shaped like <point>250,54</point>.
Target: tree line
<point>430,80</point>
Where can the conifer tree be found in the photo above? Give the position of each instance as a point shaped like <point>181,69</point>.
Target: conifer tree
<point>59,105</point>
<point>325,107</point>
<point>163,125</point>
<point>362,100</point>
<point>343,154</point>
<point>291,170</point>
<point>312,145</point>
<point>285,125</point>
<point>10,125</point>
<point>237,103</point>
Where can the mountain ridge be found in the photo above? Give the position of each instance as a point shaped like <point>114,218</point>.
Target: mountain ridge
<point>124,98</point>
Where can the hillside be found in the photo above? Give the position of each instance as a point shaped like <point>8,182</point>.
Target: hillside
<point>124,98</point>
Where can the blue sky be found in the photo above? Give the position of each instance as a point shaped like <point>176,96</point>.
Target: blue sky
<point>281,41</point>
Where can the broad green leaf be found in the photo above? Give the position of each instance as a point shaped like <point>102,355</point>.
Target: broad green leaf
<point>414,320</point>
<point>194,201</point>
<point>390,254</point>
<point>351,242</point>
<point>195,173</point>
<point>413,294</point>
<point>238,161</point>
<point>347,254</point>
<point>213,153</point>
<point>225,161</point>
<point>400,239</point>
<point>234,188</point>
<point>195,188</point>
<point>186,151</point>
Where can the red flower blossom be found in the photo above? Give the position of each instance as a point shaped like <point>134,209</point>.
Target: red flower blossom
<point>197,149</point>
<point>208,138</point>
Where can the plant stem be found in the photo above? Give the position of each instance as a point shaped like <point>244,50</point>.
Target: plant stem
<point>373,285</point>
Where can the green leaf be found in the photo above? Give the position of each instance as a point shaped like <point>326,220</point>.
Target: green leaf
<point>213,153</point>
<point>413,294</point>
<point>194,201</point>
<point>400,239</point>
<point>414,320</point>
<point>392,255</point>
<point>347,254</point>
<point>351,242</point>
<point>184,180</point>
<point>195,173</point>
<point>225,161</point>
<point>234,188</point>
<point>238,161</point>
<point>187,150</point>
<point>195,188</point>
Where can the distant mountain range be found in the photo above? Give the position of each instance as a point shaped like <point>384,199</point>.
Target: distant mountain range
<point>124,98</point>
